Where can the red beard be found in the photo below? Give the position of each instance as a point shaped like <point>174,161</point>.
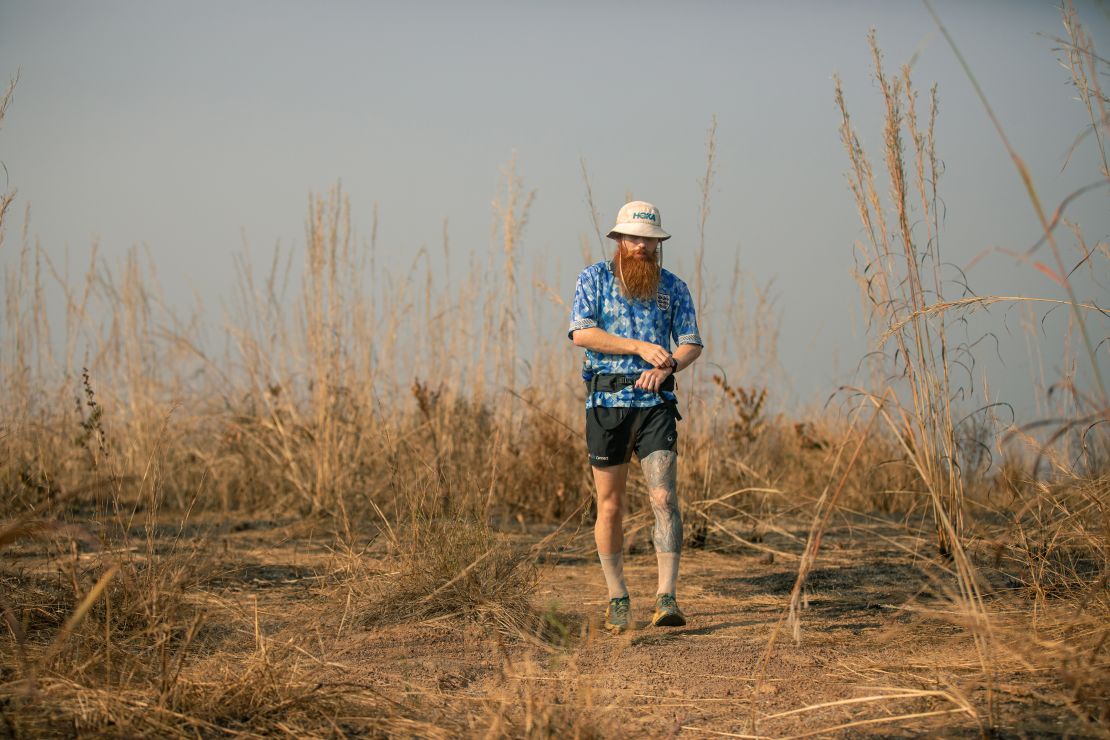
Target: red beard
<point>639,277</point>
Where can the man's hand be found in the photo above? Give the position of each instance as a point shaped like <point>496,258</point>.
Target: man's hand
<point>653,353</point>
<point>651,380</point>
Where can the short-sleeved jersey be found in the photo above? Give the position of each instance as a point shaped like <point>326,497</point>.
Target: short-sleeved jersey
<point>598,301</point>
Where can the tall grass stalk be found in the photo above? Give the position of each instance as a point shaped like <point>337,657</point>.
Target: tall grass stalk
<point>700,289</point>
<point>1081,62</point>
<point>892,276</point>
<point>893,282</point>
<point>511,210</point>
<point>6,196</point>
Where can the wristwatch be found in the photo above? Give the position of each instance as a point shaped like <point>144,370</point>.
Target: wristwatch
<point>674,365</point>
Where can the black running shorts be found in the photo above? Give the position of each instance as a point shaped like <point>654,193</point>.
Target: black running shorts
<point>613,433</point>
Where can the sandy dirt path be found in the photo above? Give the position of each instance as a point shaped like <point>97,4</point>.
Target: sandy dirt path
<point>880,654</point>
<point>872,650</point>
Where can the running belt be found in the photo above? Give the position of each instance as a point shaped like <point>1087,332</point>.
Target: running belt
<point>613,382</point>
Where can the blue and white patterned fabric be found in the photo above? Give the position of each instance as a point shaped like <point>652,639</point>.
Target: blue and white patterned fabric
<point>598,301</point>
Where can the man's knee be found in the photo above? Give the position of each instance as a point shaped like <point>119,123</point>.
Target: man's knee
<point>664,500</point>
<point>609,507</point>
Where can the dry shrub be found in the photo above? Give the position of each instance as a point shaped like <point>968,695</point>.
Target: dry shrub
<point>536,702</point>
<point>769,476</point>
<point>90,624</point>
<point>146,601</point>
<point>1047,541</point>
<point>451,440</point>
<point>1066,649</point>
<point>549,479</point>
<point>32,605</point>
<point>455,568</point>
<point>1047,621</point>
<point>747,403</point>
<point>276,689</point>
<point>134,648</point>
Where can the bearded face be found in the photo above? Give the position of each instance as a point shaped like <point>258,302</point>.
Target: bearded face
<point>636,263</point>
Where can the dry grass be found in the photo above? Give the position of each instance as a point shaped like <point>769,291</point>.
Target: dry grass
<point>456,570</point>
<point>533,706</point>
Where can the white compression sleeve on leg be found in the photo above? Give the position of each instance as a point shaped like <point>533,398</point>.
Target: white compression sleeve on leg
<point>668,572</point>
<point>613,568</point>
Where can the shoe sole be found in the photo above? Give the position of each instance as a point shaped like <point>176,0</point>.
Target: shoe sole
<point>669,620</point>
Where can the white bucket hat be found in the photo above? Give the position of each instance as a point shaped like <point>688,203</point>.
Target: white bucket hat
<point>639,218</point>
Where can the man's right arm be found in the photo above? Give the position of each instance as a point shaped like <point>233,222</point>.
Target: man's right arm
<point>599,340</point>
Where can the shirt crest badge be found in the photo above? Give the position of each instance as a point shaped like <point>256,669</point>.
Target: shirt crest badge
<point>663,300</point>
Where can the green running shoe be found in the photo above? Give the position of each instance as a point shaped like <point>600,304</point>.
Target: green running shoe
<point>667,613</point>
<point>618,614</point>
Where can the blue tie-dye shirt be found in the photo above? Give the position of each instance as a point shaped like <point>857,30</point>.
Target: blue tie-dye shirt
<point>598,301</point>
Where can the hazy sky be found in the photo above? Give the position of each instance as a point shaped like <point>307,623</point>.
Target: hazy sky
<point>186,126</point>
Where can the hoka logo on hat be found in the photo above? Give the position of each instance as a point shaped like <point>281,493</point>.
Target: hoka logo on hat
<point>639,218</point>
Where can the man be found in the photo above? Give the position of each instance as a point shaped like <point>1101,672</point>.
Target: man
<point>626,312</point>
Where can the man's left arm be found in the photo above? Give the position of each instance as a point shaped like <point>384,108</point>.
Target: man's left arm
<point>684,331</point>
<point>683,357</point>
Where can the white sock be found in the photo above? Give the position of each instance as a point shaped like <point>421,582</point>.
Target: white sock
<point>613,568</point>
<point>668,572</point>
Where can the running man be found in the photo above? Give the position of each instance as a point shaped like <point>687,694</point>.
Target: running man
<point>626,312</point>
